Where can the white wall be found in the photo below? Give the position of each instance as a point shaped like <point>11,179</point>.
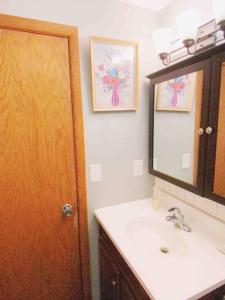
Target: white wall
<point>111,139</point>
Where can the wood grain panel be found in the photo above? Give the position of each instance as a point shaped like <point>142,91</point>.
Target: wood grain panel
<point>80,160</point>
<point>125,292</point>
<point>219,176</point>
<point>110,277</point>
<point>198,104</point>
<point>37,26</point>
<point>40,252</point>
<point>124,274</point>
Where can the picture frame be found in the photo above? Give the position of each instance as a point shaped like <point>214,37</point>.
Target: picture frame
<point>176,94</point>
<point>114,73</point>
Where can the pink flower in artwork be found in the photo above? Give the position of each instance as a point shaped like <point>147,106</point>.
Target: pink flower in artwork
<point>115,81</point>
<point>114,77</point>
<point>101,68</point>
<point>178,87</point>
<point>106,79</point>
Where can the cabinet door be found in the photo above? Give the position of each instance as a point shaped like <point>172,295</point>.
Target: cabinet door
<point>125,291</point>
<point>178,114</point>
<point>218,294</point>
<point>109,276</point>
<point>215,171</point>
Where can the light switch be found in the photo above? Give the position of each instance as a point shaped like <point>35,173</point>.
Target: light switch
<point>138,167</point>
<point>95,173</point>
<point>186,161</point>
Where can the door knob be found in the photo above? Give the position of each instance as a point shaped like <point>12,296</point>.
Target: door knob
<point>200,131</point>
<point>114,283</point>
<point>67,210</point>
<point>209,130</point>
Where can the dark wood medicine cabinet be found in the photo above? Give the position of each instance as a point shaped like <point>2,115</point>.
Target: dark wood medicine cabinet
<point>187,124</point>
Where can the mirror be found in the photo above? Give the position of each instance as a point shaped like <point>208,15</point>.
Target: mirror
<point>219,174</point>
<point>177,116</point>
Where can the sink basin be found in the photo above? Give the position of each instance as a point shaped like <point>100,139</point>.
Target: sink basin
<point>156,234</point>
<point>193,266</point>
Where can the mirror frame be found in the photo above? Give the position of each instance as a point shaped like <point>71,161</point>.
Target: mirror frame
<point>185,67</point>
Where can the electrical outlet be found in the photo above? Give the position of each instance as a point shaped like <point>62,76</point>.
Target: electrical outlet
<point>138,167</point>
<point>95,173</point>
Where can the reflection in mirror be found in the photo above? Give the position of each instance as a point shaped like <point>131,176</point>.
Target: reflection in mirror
<point>176,126</point>
<point>219,175</point>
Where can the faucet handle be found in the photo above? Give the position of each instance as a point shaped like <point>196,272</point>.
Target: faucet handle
<point>173,209</point>
<point>176,210</point>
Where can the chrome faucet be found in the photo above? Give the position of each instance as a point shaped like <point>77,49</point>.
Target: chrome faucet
<point>178,219</point>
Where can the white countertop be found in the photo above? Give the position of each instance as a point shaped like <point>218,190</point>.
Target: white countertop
<point>192,268</point>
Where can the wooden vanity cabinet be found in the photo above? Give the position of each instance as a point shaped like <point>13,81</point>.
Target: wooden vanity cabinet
<point>117,281</point>
<point>218,294</point>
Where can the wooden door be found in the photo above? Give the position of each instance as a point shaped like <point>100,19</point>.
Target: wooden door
<point>40,248</point>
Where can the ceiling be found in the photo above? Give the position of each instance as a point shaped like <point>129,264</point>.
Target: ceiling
<point>156,5</point>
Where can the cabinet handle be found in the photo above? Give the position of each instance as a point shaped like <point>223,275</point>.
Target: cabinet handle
<point>114,283</point>
<point>201,131</point>
<point>209,130</point>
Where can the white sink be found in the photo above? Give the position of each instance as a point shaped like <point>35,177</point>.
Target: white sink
<point>156,235</point>
<point>193,265</point>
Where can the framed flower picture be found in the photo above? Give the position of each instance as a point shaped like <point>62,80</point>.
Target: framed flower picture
<point>176,94</point>
<point>114,74</point>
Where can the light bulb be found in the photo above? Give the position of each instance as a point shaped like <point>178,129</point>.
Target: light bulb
<point>162,40</point>
<point>187,23</point>
<point>219,10</point>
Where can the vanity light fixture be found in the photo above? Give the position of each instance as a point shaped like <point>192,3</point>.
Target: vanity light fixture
<point>187,25</point>
<point>219,13</point>
<point>162,39</point>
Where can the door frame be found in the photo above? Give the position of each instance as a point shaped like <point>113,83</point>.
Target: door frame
<point>71,33</point>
